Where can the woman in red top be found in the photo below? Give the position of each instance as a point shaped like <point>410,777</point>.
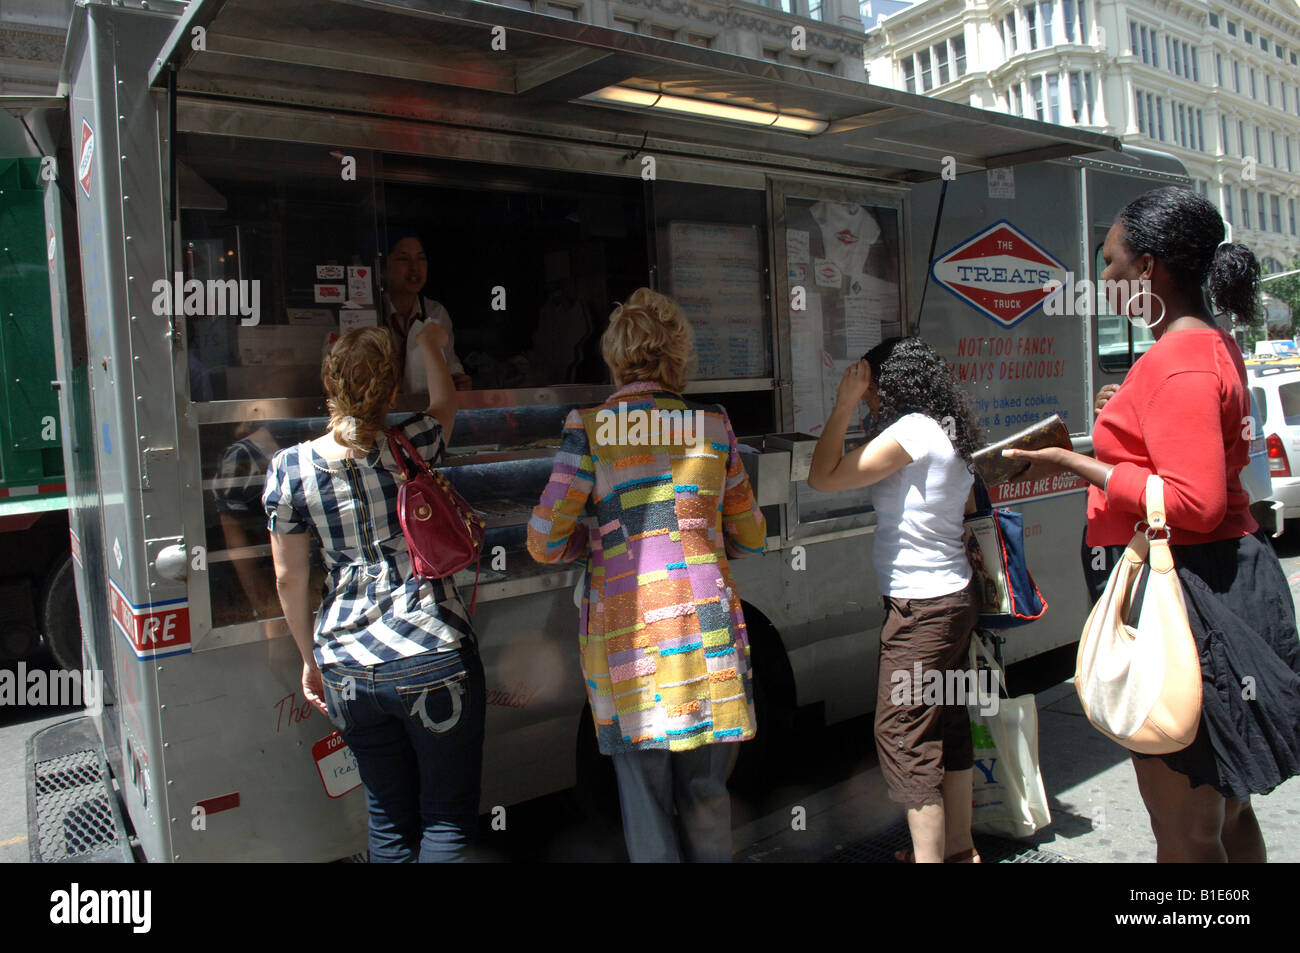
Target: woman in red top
<point>1183,413</point>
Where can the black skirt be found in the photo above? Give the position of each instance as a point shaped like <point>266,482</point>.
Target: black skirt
<point>1241,614</point>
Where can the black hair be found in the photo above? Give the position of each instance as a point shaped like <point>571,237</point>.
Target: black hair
<point>1184,231</point>
<point>911,378</point>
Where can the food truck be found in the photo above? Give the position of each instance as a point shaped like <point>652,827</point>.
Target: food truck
<point>239,171</point>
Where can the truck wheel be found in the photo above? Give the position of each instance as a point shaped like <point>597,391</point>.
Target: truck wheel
<point>60,615</point>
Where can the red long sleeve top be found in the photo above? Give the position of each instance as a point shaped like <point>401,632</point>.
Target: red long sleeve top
<point>1183,413</point>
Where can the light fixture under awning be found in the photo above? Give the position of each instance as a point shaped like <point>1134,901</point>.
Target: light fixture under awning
<point>648,99</point>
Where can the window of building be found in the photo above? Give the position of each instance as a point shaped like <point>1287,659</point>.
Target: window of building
<point>1236,76</point>
<point>1196,65</point>
<point>562,10</point>
<point>1263,43</point>
<point>699,39</point>
<point>815,9</point>
<point>1076,97</point>
<point>1141,117</point>
<point>1268,89</point>
<point>1275,206</point>
<point>923,66</point>
<point>1295,60</point>
<point>909,75</point>
<point>1290,205</point>
<point>1278,51</point>
<point>1263,217</point>
<point>1088,97</point>
<point>1273,142</point>
<point>1045,18</point>
<point>1241,136</point>
<point>1146,54</point>
<point>1031,22</point>
<point>1151,116</point>
<point>1177,58</point>
<point>1245,209</point>
<point>828,66</point>
<point>1020,99</point>
<point>1160,117</point>
<point>1169,54</point>
<point>1083,20</point>
<point>624,23</point>
<point>775,56</point>
<point>1248,36</point>
<point>1232,28</point>
<point>1036,93</point>
<point>1253,93</point>
<point>662,32</point>
<point>1214,20</point>
<point>1054,97</point>
<point>941,62</point>
<point>959,55</point>
<point>1227,205</point>
<point>1218,69</point>
<point>1200,130</point>
<point>1067,9</point>
<point>1009,34</point>
<point>1133,46</point>
<point>1287,144</point>
<point>1223,134</point>
<point>1259,148</point>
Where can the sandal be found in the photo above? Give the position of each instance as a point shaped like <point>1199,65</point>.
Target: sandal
<point>967,856</point>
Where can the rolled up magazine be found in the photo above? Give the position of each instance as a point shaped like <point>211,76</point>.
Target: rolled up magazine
<point>994,468</point>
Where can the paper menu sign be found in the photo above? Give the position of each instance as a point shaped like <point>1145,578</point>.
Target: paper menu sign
<point>360,290</point>
<point>330,273</point>
<point>796,247</point>
<point>350,318</point>
<point>329,294</point>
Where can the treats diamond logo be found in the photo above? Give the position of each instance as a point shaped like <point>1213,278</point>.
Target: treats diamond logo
<point>1000,272</point>
<point>86,161</point>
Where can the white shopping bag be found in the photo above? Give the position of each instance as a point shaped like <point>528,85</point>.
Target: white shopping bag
<point>1009,797</point>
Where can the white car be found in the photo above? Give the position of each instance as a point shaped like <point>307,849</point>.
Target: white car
<point>1275,390</point>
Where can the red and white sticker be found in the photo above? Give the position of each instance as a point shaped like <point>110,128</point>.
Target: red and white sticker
<point>156,630</point>
<point>1022,491</point>
<point>331,294</point>
<point>337,765</point>
<point>330,272</point>
<point>49,243</point>
<point>86,162</point>
<point>1000,272</point>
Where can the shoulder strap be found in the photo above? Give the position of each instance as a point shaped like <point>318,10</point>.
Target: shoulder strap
<point>1155,502</point>
<point>409,459</point>
<point>983,504</point>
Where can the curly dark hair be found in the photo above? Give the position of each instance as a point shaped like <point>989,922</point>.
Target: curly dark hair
<point>911,378</point>
<point>1183,230</point>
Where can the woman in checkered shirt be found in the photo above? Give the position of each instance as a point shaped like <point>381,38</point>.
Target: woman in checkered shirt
<point>391,658</point>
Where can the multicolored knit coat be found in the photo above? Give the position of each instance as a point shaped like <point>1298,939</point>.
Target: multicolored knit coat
<point>664,649</point>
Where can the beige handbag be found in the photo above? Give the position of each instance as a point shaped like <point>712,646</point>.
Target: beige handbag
<point>1141,684</point>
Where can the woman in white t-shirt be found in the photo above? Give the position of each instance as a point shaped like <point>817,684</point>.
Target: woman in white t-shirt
<point>918,461</point>
<point>407,312</point>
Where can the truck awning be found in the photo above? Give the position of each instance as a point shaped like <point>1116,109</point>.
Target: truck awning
<point>435,61</point>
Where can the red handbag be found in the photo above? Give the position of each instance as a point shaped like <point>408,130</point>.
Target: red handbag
<point>443,533</point>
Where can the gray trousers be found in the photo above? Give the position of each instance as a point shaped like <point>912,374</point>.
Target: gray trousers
<point>652,783</point>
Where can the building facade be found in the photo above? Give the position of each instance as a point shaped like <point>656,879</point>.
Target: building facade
<point>1216,84</point>
<point>32,35</point>
<point>831,38</point>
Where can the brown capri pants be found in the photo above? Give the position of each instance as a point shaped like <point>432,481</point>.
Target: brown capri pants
<point>917,743</point>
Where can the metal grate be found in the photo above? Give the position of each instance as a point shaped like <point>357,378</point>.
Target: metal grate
<point>880,849</point>
<point>74,818</point>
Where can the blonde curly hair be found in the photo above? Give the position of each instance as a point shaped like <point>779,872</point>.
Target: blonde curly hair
<point>648,339</point>
<point>359,374</point>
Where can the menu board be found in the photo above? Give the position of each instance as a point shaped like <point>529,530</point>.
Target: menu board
<point>842,266</point>
<point>715,275</point>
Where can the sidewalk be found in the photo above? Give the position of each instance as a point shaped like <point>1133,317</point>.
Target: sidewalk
<point>1097,813</point>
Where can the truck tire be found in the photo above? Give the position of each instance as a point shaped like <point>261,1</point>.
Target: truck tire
<point>61,616</point>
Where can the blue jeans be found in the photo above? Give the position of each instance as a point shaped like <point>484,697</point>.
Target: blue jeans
<point>415,726</point>
<point>652,783</point>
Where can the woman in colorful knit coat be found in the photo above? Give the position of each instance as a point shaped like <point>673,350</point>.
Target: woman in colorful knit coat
<point>663,644</point>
